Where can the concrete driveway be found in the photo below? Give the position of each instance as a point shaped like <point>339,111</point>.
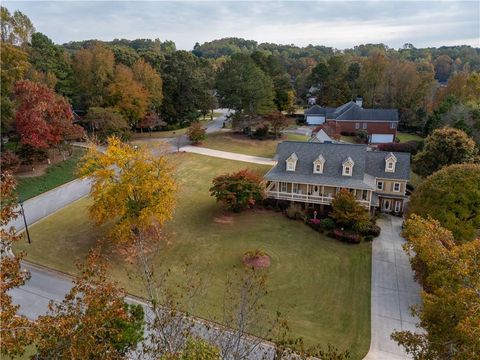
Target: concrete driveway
<point>393,291</point>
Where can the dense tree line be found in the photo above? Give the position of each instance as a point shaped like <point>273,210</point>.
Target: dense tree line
<point>147,83</point>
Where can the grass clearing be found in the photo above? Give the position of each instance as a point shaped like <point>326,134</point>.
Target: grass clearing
<point>404,137</point>
<point>239,143</point>
<point>56,175</point>
<point>320,284</point>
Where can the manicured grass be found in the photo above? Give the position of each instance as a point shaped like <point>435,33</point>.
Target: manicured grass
<point>159,134</point>
<point>404,137</point>
<point>348,139</point>
<point>56,175</point>
<point>321,285</point>
<point>241,144</point>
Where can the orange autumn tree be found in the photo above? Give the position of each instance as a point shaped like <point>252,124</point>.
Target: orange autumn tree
<point>450,276</point>
<point>15,330</point>
<point>131,186</point>
<point>93,321</point>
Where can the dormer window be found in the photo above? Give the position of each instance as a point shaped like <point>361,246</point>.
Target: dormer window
<point>318,165</point>
<point>390,162</point>
<point>347,167</point>
<point>292,162</point>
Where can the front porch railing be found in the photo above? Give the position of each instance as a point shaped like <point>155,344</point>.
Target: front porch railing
<point>312,199</point>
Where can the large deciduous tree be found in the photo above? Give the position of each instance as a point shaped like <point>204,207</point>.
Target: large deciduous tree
<point>130,185</point>
<point>277,122</point>
<point>43,118</point>
<point>239,190</point>
<point>16,331</point>
<point>14,65</point>
<point>105,122</point>
<point>348,212</point>
<point>450,305</point>
<point>93,321</point>
<point>243,86</point>
<point>93,70</point>
<point>451,196</point>
<point>17,29</point>
<point>128,95</point>
<point>151,81</point>
<point>443,147</point>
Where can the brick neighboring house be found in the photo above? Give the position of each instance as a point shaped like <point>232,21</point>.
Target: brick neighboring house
<point>380,124</point>
<point>311,173</point>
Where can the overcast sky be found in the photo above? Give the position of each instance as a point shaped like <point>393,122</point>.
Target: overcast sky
<point>339,24</point>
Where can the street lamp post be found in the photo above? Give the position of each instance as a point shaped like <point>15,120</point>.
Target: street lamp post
<point>25,222</point>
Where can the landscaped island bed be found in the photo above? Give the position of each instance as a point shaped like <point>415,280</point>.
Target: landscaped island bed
<point>320,284</point>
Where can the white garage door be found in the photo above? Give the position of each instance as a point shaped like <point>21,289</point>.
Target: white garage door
<point>315,119</point>
<point>381,138</point>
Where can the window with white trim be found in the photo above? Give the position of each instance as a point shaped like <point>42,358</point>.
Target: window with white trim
<point>380,185</point>
<point>295,188</point>
<point>283,187</point>
<point>398,206</point>
<point>357,126</point>
<point>364,126</point>
<point>290,166</point>
<point>396,187</point>
<point>347,171</point>
<point>393,125</point>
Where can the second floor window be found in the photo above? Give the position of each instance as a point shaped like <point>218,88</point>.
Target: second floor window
<point>396,187</point>
<point>380,185</point>
<point>357,126</point>
<point>364,126</point>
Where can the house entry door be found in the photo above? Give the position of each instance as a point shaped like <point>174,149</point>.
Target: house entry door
<point>387,205</point>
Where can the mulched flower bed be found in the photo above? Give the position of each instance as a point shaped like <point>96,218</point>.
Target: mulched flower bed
<point>256,260</point>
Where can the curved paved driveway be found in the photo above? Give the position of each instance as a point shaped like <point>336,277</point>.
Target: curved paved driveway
<point>393,291</point>
<point>228,155</point>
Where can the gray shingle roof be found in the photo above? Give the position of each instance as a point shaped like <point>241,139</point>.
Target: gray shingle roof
<point>368,164</point>
<point>351,111</point>
<point>375,165</point>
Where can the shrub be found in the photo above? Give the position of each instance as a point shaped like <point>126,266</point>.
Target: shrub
<point>9,161</point>
<point>28,154</point>
<point>196,133</point>
<point>261,132</point>
<point>361,136</point>
<point>368,237</point>
<point>238,191</point>
<point>343,235</point>
<point>327,224</point>
<point>315,224</point>
<point>347,212</point>
<point>411,147</point>
<point>294,212</point>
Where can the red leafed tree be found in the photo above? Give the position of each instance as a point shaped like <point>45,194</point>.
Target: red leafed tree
<point>43,118</point>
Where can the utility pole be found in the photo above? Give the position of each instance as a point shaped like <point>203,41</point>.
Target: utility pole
<point>25,222</point>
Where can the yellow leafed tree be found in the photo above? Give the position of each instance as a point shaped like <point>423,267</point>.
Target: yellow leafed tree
<point>131,186</point>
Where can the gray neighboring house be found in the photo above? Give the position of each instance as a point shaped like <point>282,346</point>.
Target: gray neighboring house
<point>311,173</point>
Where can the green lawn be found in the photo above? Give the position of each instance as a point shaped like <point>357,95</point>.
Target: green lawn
<point>238,143</point>
<point>55,175</point>
<point>404,137</point>
<point>321,285</point>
